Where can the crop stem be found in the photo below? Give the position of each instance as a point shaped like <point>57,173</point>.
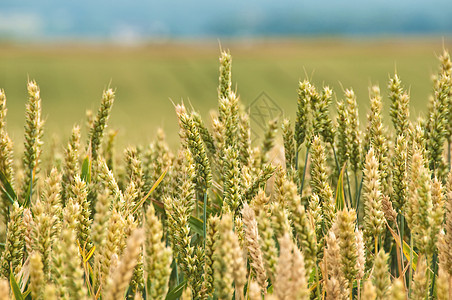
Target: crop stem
<point>304,170</point>
<point>349,189</point>
<point>410,278</point>
<point>204,218</point>
<point>317,278</point>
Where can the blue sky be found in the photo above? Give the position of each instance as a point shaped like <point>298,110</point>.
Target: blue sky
<point>145,19</point>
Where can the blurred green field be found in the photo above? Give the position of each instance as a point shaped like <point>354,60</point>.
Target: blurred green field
<point>72,78</point>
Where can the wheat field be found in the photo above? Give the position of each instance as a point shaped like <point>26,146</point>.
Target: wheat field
<point>145,78</point>
<point>326,206</point>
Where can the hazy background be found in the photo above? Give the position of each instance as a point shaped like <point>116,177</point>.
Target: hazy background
<point>154,51</point>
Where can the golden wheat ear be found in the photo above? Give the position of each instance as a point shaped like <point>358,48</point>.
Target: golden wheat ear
<point>117,284</point>
<point>254,249</point>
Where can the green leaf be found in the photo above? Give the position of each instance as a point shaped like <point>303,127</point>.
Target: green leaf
<point>340,197</point>
<point>7,188</point>
<point>137,206</point>
<point>15,287</point>
<point>176,292</point>
<point>196,225</point>
<point>86,170</point>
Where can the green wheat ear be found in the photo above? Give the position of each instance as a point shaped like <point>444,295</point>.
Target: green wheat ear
<point>244,139</point>
<point>437,125</point>
<point>193,142</point>
<point>345,221</point>
<point>400,173</point>
<point>448,225</point>
<point>353,134</point>
<point>134,169</point>
<point>269,140</point>
<point>319,182</point>
<point>400,106</point>
<point>341,144</point>
<point>157,258</point>
<point>100,122</point>
<point>34,128</point>
<point>13,254</point>
<point>6,157</point>
<point>267,242</point>
<point>225,81</point>
<point>302,122</point>
<point>376,137</point>
<point>71,163</point>
<point>82,235</point>
<point>289,146</point>
<point>322,123</point>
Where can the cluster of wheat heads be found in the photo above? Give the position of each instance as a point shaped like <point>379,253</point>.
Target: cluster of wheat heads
<point>363,216</point>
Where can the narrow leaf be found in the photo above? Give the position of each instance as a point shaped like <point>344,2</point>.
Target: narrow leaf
<point>176,292</point>
<point>405,248</point>
<point>7,188</point>
<point>406,251</point>
<point>86,170</point>
<point>15,287</point>
<point>340,197</point>
<point>90,253</point>
<point>138,205</point>
<point>25,294</point>
<point>196,225</point>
